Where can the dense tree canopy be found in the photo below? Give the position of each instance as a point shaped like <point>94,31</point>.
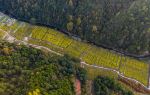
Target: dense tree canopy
<point>28,71</point>
<point>119,24</point>
<point>108,86</point>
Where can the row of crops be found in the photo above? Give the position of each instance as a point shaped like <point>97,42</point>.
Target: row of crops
<point>91,54</point>
<point>135,69</point>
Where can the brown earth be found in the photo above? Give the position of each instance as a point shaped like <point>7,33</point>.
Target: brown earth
<point>77,87</point>
<point>136,86</point>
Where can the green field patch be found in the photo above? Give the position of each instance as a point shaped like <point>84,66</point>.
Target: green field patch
<point>93,72</point>
<point>52,47</point>
<point>77,48</point>
<point>135,69</point>
<point>38,32</point>
<point>53,38</point>
<point>2,18</point>
<point>23,31</point>
<point>5,24</point>
<point>65,42</point>
<point>102,57</point>
<point>14,26</point>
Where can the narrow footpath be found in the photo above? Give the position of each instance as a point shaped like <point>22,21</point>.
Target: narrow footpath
<point>12,39</point>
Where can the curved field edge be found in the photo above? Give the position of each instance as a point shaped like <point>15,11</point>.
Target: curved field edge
<point>61,43</point>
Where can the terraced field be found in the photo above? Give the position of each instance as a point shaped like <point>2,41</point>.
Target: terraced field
<point>22,32</point>
<point>135,69</point>
<point>102,57</point>
<point>90,54</point>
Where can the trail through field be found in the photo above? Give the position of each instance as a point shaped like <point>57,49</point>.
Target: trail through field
<point>116,71</point>
<point>12,39</point>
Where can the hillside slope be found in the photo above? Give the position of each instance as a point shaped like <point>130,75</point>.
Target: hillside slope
<point>29,71</point>
<point>25,70</point>
<point>58,43</point>
<point>119,24</point>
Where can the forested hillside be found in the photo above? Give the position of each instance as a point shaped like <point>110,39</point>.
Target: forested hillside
<point>28,71</point>
<point>119,24</point>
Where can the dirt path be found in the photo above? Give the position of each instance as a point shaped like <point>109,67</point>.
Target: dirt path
<point>77,87</point>
<point>117,72</point>
<point>12,39</point>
